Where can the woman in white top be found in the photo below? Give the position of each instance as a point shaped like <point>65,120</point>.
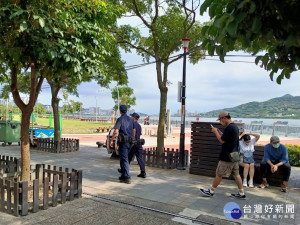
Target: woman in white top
<point>247,160</point>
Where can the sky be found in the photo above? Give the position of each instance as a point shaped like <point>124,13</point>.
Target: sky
<point>211,84</point>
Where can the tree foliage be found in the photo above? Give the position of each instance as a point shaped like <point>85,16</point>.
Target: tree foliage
<point>40,109</point>
<point>164,24</point>
<point>72,107</point>
<point>256,26</point>
<point>52,39</point>
<point>124,95</point>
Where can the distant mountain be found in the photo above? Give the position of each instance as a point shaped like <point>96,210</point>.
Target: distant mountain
<point>287,107</point>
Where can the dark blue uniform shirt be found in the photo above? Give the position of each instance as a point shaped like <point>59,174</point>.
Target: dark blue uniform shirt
<point>138,130</point>
<point>125,125</point>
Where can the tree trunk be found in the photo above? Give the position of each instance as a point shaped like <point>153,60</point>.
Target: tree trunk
<point>162,84</point>
<point>55,103</point>
<point>27,109</point>
<point>25,146</point>
<point>161,121</point>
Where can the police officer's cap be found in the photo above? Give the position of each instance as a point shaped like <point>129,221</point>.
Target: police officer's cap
<point>135,115</point>
<point>123,108</point>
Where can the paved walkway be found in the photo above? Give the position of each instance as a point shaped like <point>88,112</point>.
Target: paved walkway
<point>173,191</point>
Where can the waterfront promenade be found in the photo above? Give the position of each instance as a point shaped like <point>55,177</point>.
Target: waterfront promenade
<point>164,197</point>
<point>172,140</point>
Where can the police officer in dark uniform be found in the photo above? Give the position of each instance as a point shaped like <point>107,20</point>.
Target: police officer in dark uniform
<point>123,126</point>
<point>137,149</point>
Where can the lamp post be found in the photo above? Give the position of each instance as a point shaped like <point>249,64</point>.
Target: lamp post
<point>118,113</point>
<point>185,42</point>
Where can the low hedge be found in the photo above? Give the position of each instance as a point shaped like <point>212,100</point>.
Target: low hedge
<point>294,154</point>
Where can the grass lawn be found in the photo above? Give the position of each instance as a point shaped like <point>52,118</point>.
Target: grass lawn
<point>70,126</point>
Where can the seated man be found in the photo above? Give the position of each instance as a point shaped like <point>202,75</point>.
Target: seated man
<point>275,155</point>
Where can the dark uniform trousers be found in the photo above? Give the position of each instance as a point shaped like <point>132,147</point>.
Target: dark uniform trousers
<point>124,148</point>
<point>138,152</point>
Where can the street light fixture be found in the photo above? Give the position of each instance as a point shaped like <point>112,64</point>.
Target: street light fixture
<point>185,42</point>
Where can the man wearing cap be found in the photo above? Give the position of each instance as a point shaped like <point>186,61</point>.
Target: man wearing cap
<point>275,156</point>
<point>230,142</point>
<point>123,126</point>
<point>138,149</point>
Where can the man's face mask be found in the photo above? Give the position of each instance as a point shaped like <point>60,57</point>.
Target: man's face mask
<point>276,145</point>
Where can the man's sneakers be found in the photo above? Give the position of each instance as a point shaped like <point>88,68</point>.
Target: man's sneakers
<point>142,175</point>
<point>245,183</point>
<point>206,192</point>
<point>238,196</point>
<point>119,170</point>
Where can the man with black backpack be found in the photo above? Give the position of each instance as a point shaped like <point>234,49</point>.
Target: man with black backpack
<point>229,156</point>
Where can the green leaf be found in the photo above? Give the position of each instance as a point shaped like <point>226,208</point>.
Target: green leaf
<point>257,59</point>
<point>252,7</point>
<point>23,26</point>
<point>265,59</point>
<point>280,78</point>
<point>232,28</point>
<point>222,59</point>
<point>36,17</point>
<point>240,17</point>
<point>256,25</point>
<point>42,22</point>
<point>271,75</point>
<point>212,10</point>
<point>211,50</point>
<point>204,6</point>
<point>46,29</point>
<point>291,41</point>
<point>241,5</point>
<point>204,30</point>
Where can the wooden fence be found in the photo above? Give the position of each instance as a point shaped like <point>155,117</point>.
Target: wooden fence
<point>65,145</point>
<point>50,185</point>
<point>169,159</point>
<point>9,166</point>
